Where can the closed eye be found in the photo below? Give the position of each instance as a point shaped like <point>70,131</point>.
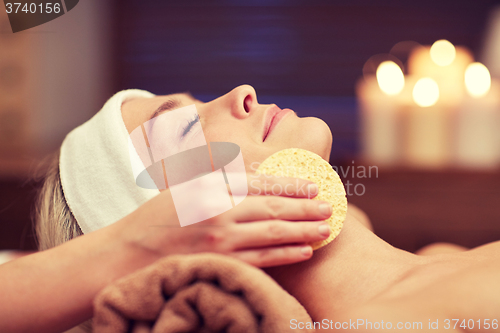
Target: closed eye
<point>190,125</point>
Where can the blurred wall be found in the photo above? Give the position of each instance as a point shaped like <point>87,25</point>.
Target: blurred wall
<point>281,47</point>
<point>52,78</point>
<point>72,66</point>
<point>64,74</point>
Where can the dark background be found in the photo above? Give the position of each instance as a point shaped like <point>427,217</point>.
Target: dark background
<point>306,55</point>
<point>281,47</point>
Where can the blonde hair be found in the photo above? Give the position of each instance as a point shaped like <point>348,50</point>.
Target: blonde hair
<point>54,222</point>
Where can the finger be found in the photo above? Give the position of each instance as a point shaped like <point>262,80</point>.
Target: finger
<point>279,208</point>
<point>281,186</point>
<point>275,256</point>
<point>272,233</point>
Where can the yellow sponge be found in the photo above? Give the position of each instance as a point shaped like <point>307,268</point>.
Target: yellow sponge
<point>300,163</point>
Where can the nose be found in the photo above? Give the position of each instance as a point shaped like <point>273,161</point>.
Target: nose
<point>242,101</point>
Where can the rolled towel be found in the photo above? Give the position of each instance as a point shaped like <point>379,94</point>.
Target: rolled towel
<point>197,293</point>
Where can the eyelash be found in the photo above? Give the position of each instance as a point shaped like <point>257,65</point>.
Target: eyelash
<point>190,125</point>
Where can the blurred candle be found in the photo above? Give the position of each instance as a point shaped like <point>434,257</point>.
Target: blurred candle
<point>380,116</point>
<point>428,133</point>
<point>446,65</point>
<point>442,52</point>
<point>478,121</point>
<point>390,78</point>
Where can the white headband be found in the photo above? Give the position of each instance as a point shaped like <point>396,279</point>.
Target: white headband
<point>95,167</point>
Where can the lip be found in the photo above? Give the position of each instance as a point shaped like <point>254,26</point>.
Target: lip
<point>272,117</point>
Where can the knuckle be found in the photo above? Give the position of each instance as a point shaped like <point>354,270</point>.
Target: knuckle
<point>309,207</point>
<point>276,233</point>
<point>274,206</point>
<point>265,256</point>
<point>215,238</point>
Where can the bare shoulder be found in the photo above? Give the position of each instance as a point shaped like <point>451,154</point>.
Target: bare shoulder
<point>441,288</point>
<point>488,250</point>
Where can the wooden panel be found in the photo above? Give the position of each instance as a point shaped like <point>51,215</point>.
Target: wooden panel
<point>15,57</point>
<point>410,209</point>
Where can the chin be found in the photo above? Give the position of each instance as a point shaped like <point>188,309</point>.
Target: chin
<point>315,135</point>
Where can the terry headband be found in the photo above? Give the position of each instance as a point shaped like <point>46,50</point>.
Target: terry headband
<point>107,173</point>
<point>95,167</point>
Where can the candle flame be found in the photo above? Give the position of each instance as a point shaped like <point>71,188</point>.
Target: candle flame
<point>390,78</point>
<point>443,52</point>
<point>426,92</point>
<point>477,79</point>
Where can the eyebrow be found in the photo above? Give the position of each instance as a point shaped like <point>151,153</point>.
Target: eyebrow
<point>170,104</point>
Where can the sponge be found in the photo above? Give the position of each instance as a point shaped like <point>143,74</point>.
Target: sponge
<point>300,163</point>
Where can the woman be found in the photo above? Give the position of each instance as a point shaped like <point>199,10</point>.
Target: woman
<point>71,173</point>
<point>357,274</point>
<point>52,290</point>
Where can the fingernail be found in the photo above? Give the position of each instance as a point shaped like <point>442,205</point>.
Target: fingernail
<point>306,251</point>
<point>324,230</point>
<point>325,209</point>
<point>312,189</point>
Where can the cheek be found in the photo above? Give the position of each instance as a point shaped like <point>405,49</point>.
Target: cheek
<point>250,150</point>
<point>253,157</point>
<point>312,134</point>
<point>214,132</point>
<point>227,134</point>
<point>306,133</point>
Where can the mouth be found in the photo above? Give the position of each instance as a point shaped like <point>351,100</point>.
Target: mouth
<point>272,117</point>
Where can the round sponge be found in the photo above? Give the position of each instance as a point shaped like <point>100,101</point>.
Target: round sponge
<point>300,163</point>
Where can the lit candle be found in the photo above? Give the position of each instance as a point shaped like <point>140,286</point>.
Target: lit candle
<point>380,116</point>
<point>478,120</point>
<point>446,65</point>
<point>428,132</point>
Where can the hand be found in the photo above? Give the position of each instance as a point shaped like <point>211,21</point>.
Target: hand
<point>270,227</point>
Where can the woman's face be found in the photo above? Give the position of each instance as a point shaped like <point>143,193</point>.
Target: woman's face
<point>258,129</point>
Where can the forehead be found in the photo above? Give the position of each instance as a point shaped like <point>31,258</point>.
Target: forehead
<point>138,110</point>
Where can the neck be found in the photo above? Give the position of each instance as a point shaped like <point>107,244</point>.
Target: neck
<point>354,268</point>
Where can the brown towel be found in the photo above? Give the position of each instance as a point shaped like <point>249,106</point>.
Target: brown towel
<point>197,293</point>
